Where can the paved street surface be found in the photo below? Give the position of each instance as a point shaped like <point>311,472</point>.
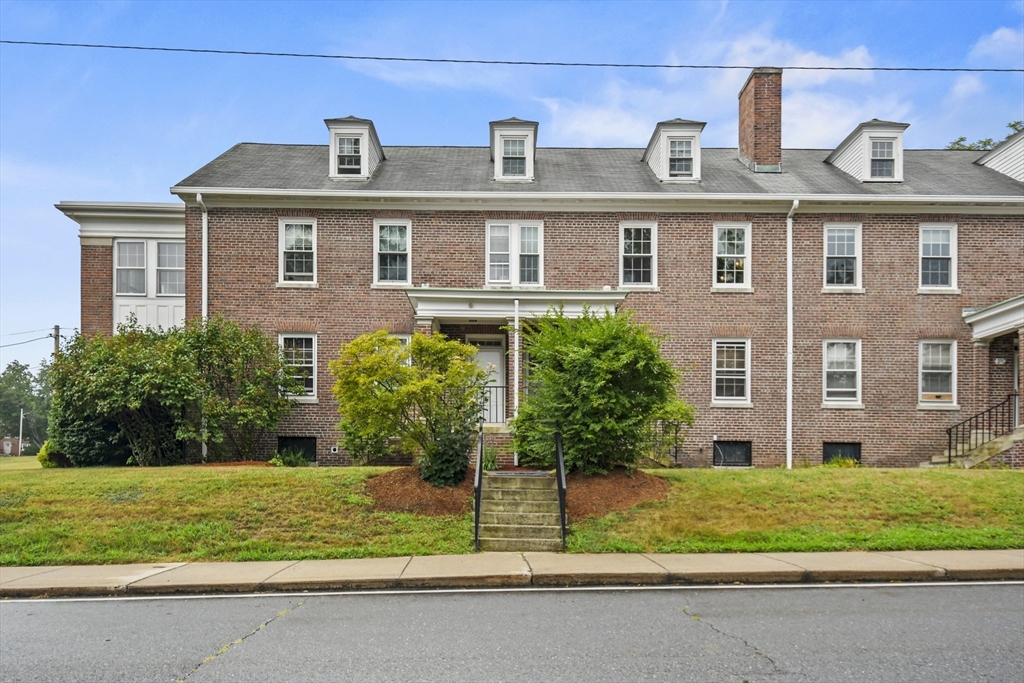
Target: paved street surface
<point>953,632</point>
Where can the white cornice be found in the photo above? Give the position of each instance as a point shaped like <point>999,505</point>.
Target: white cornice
<point>126,219</point>
<point>998,319</point>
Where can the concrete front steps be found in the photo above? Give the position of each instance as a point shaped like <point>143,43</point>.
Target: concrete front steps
<point>975,456</point>
<point>519,512</point>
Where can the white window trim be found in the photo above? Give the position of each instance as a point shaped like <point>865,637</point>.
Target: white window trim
<point>694,156</point>
<point>157,269</point>
<point>826,402</point>
<point>923,404</point>
<point>653,225</point>
<point>897,158</point>
<point>377,223</point>
<point>336,134</point>
<point>529,144</point>
<point>145,267</point>
<point>858,286</point>
<point>514,244</point>
<point>281,282</point>
<point>952,288</point>
<point>720,402</point>
<point>303,398</point>
<point>748,285</point>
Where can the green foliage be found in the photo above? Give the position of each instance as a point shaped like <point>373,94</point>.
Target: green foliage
<point>48,458</point>
<point>156,392</point>
<point>602,381</point>
<point>490,460</point>
<point>842,462</point>
<point>426,394</point>
<point>289,457</point>
<point>986,143</point>
<point>21,390</point>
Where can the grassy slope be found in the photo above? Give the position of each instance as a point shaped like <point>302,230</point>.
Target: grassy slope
<point>818,509</point>
<point>99,516</point>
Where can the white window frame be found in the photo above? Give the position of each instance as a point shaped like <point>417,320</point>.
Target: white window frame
<point>855,402</point>
<point>363,154</point>
<point>158,268</point>
<point>529,147</point>
<point>937,404</point>
<point>144,268</point>
<point>294,220</point>
<point>730,402</point>
<point>653,225</point>
<point>747,285</point>
<point>897,158</point>
<point>377,224</point>
<point>858,286</point>
<point>308,397</point>
<point>526,143</point>
<point>514,245</point>
<point>693,161</point>
<point>952,287</point>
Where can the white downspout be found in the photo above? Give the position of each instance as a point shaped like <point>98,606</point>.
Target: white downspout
<point>515,372</point>
<point>206,252</point>
<point>789,334</point>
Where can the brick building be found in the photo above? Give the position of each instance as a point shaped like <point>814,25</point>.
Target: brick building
<point>857,300</point>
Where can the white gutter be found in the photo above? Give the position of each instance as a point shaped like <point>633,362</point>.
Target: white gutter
<point>789,334</point>
<point>515,384</point>
<point>206,253</point>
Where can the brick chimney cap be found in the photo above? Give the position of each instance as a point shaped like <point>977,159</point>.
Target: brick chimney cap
<point>758,71</point>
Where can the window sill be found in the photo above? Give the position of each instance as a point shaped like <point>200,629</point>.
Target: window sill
<point>503,179</point>
<point>718,289</point>
<point>842,290</point>
<point>298,285</point>
<point>681,181</point>
<point>938,290</point>
<point>842,406</point>
<point>170,296</point>
<point>639,288</point>
<point>348,176</point>
<point>937,406</point>
<point>731,404</point>
<point>304,399</point>
<point>391,285</point>
<point>140,296</point>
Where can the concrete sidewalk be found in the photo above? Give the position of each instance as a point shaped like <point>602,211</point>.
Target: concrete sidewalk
<point>510,570</point>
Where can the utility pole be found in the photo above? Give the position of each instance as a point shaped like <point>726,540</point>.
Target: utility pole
<point>21,423</point>
<point>56,341</point>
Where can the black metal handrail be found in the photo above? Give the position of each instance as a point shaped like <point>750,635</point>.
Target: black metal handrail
<point>477,484</point>
<point>979,429</point>
<point>492,407</point>
<point>560,476</point>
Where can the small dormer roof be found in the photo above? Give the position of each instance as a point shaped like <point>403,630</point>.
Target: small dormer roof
<point>873,124</point>
<point>676,123</point>
<point>512,123</point>
<point>356,122</point>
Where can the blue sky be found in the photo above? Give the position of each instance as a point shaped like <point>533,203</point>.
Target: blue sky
<point>103,125</point>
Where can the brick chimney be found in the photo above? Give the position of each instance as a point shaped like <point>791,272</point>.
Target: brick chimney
<point>761,120</point>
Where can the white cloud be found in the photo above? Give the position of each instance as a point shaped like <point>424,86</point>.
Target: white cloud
<point>822,120</point>
<point>965,87</point>
<point>1002,46</point>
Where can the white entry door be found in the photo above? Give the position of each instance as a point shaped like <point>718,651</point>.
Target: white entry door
<point>490,356</point>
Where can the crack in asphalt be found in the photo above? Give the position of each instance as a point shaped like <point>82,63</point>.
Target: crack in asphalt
<point>696,617</point>
<point>239,641</point>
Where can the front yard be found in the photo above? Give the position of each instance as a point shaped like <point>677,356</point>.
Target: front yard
<point>100,515</point>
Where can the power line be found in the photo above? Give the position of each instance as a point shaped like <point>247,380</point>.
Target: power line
<point>16,334</point>
<point>4,346</point>
<point>500,62</point>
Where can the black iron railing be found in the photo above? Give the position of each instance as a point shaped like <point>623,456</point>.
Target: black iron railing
<point>492,409</point>
<point>560,476</point>
<point>978,430</point>
<point>478,484</point>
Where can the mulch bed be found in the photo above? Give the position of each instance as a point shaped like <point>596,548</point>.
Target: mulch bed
<point>402,490</point>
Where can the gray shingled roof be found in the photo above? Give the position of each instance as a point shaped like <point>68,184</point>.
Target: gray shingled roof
<point>571,170</point>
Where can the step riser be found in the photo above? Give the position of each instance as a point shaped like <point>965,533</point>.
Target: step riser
<point>516,545</point>
<point>520,531</point>
<point>528,518</point>
<point>518,506</point>
<point>508,483</point>
<point>536,495</point>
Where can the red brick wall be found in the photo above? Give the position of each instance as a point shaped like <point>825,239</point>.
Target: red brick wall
<point>97,289</point>
<point>760,124</point>
<point>581,252</point>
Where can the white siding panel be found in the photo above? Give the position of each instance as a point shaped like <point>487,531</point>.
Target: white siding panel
<point>656,160</point>
<point>372,157</point>
<point>1009,160</point>
<point>162,313</point>
<point>851,159</point>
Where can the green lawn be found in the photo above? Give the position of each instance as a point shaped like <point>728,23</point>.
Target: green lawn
<point>101,515</point>
<point>10,463</point>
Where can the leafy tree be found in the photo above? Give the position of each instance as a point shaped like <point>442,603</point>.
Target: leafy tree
<point>427,395</point>
<point>20,389</point>
<point>987,143</point>
<point>602,381</point>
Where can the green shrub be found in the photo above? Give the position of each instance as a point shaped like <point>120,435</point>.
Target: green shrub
<point>289,457</point>
<point>602,381</point>
<point>842,461</point>
<point>490,460</point>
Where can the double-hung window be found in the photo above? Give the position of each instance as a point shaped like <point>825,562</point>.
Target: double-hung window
<point>638,254</point>
<point>515,253</point>
<point>392,251</point>
<point>350,161</point>
<point>842,372</point>
<point>938,256</point>
<point>732,371</point>
<point>883,159</point>
<point>732,256</point>
<point>937,372</point>
<point>680,158</point>
<point>170,268</point>
<point>299,351</point>
<point>842,256</point>
<point>297,243</point>
<point>513,157</point>
<point>130,268</point>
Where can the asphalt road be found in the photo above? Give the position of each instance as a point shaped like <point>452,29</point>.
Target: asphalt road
<point>850,633</point>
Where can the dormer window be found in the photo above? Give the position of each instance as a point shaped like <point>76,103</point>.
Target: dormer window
<point>674,151</point>
<point>349,159</point>
<point>883,161</point>
<point>513,158</point>
<point>680,159</point>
